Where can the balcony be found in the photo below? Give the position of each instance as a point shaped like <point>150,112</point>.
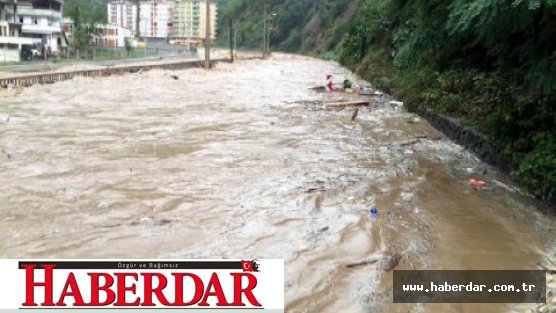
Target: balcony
<point>28,11</point>
<point>40,29</point>
<point>16,40</point>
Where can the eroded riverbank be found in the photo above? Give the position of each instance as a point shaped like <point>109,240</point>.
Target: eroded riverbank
<point>242,162</point>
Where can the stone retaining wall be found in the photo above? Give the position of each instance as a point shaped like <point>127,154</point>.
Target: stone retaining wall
<point>467,137</point>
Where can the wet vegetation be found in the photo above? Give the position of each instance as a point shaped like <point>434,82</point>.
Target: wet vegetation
<point>85,14</point>
<point>490,63</point>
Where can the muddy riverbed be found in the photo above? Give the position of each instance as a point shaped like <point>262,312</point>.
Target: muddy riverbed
<point>244,162</point>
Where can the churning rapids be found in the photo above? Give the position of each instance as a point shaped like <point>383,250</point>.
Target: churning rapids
<point>244,162</point>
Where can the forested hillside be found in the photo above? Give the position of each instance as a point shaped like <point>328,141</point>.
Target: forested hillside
<point>489,62</point>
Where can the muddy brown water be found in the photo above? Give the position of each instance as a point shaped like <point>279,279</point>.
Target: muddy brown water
<point>243,162</point>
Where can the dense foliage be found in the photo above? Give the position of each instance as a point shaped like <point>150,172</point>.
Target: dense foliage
<point>297,25</point>
<point>489,62</point>
<point>84,14</point>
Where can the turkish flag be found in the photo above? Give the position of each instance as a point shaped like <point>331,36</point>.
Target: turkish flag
<point>246,266</point>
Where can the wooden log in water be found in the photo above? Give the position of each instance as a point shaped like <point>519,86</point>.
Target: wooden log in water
<point>357,264</point>
<point>347,104</point>
<point>354,116</point>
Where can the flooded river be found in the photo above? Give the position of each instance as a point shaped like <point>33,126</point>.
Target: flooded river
<point>244,162</point>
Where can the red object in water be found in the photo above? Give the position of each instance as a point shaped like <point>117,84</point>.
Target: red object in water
<point>330,86</point>
<point>475,183</point>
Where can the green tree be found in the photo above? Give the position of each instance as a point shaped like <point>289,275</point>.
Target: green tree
<point>85,15</point>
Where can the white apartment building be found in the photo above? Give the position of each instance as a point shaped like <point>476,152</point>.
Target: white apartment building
<point>40,20</point>
<point>156,18</point>
<point>190,21</point>
<point>11,43</point>
<point>123,13</point>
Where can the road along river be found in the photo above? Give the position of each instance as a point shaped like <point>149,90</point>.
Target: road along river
<point>244,162</point>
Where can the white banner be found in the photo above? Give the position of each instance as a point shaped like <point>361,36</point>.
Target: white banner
<point>210,285</point>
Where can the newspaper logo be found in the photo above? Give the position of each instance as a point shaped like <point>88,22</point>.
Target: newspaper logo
<point>210,285</point>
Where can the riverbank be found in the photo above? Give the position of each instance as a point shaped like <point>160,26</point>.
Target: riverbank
<point>28,80</point>
<point>217,55</point>
<point>117,67</point>
<point>464,108</point>
<point>477,143</point>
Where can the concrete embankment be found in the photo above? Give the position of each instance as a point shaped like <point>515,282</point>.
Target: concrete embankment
<point>49,78</point>
<point>474,141</point>
<point>469,137</point>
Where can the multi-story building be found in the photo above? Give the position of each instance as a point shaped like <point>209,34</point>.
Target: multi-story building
<point>111,36</point>
<point>203,18</point>
<point>103,35</point>
<point>40,20</point>
<point>190,21</point>
<point>11,43</point>
<point>123,13</point>
<point>155,18</point>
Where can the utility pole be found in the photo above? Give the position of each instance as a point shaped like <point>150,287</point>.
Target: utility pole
<point>231,40</point>
<point>207,37</point>
<point>270,27</point>
<point>264,29</point>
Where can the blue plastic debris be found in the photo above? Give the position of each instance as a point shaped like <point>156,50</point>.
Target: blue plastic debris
<point>374,211</point>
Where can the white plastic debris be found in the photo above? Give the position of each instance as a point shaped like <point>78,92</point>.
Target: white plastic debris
<point>366,91</point>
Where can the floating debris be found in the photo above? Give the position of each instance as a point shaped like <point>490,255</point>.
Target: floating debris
<point>366,91</point>
<point>149,221</point>
<point>354,116</point>
<point>362,263</point>
<point>318,88</point>
<point>502,185</point>
<point>390,261</point>
<point>315,189</point>
<point>476,183</point>
<point>347,104</point>
<point>414,120</point>
<point>325,228</point>
<point>409,142</point>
